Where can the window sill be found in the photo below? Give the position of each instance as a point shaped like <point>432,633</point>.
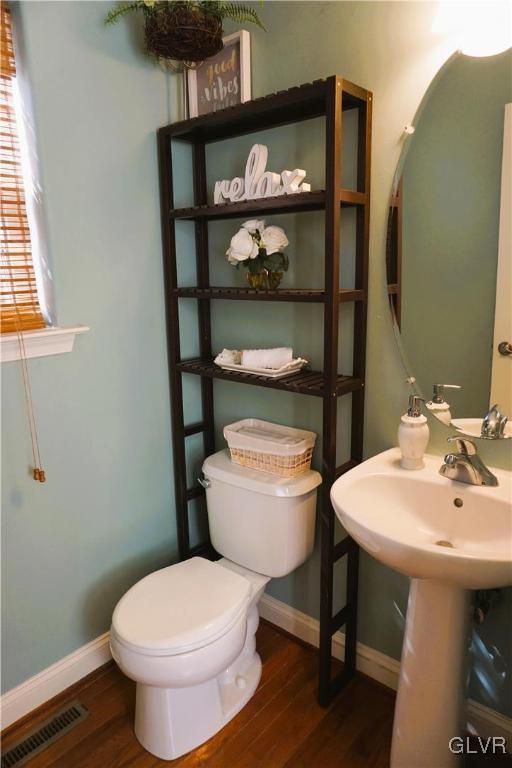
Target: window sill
<point>40,343</point>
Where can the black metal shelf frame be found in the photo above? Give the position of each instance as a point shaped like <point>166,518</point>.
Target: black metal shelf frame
<point>330,98</point>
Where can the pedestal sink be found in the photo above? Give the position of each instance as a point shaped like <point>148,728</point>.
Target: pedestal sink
<point>450,538</point>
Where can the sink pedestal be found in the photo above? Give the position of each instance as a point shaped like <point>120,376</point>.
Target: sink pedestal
<point>431,692</point>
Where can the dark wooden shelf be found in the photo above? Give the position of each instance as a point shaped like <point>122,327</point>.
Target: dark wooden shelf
<point>279,294</point>
<point>327,99</point>
<point>302,201</point>
<point>346,467</point>
<point>291,106</point>
<point>304,382</point>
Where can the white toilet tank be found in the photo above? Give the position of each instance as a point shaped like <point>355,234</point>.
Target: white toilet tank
<point>260,521</point>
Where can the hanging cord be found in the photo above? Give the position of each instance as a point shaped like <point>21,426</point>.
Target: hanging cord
<point>38,472</point>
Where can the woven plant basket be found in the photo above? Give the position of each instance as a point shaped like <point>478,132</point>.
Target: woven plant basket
<point>183,33</point>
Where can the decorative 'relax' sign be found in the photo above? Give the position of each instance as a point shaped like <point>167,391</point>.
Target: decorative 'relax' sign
<point>258,182</point>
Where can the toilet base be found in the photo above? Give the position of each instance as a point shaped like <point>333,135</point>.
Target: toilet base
<point>172,721</point>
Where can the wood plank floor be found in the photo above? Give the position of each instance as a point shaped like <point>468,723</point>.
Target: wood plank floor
<point>282,726</point>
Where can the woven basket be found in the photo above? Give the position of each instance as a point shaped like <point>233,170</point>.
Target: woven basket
<point>183,33</point>
<point>284,466</point>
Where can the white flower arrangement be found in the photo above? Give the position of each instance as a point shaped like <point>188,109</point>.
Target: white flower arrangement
<point>259,248</point>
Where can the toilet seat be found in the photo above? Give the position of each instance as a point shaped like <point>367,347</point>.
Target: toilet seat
<point>180,608</point>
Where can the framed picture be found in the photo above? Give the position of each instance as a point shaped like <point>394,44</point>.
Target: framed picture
<point>223,80</point>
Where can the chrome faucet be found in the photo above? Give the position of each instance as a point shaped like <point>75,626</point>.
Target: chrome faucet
<point>493,425</point>
<point>466,466</point>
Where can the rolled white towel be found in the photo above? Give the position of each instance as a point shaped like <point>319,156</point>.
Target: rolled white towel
<point>229,357</point>
<point>267,358</point>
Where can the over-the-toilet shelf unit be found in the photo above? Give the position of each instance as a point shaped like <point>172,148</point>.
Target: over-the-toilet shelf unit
<point>329,98</point>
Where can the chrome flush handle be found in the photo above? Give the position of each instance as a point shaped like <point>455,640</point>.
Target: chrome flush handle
<point>204,482</point>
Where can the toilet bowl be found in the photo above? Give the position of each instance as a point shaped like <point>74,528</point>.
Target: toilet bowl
<point>195,664</point>
<point>186,634</point>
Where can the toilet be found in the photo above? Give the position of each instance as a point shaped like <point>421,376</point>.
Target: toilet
<point>186,634</point>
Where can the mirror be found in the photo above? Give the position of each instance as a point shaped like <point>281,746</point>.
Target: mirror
<point>449,246</point>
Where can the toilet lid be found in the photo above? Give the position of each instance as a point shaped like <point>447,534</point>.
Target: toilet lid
<point>180,608</point>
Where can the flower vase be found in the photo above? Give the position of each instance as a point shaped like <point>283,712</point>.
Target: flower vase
<point>264,280</point>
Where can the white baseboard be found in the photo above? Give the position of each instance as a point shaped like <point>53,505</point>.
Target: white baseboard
<point>369,661</point>
<point>53,680</point>
<point>486,721</point>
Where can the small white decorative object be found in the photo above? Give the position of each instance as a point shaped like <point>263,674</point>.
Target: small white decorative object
<point>259,183</point>
<point>236,190</point>
<point>292,181</point>
<point>268,185</point>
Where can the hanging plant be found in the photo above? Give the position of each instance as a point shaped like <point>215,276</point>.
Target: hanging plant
<point>185,30</point>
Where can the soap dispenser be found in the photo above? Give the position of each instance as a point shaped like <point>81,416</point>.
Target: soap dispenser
<point>413,434</point>
<point>438,405</point>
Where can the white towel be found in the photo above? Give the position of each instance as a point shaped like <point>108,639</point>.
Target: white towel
<point>267,358</point>
<point>228,357</point>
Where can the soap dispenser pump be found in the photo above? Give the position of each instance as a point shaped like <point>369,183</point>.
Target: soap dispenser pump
<point>438,405</point>
<point>413,435</point>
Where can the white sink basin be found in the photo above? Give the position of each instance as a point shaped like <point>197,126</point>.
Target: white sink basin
<point>449,537</point>
<point>399,516</point>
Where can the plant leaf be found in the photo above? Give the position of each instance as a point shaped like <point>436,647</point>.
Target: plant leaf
<point>254,265</point>
<point>275,262</point>
<point>115,13</point>
<point>239,13</point>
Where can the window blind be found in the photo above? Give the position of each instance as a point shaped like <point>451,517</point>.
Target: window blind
<point>19,304</point>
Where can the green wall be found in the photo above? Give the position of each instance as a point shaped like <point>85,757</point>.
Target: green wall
<point>451,209</point>
<point>106,514</point>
